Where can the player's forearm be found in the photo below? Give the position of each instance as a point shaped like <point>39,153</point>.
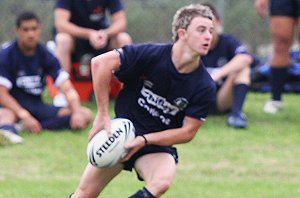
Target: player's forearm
<point>9,102</point>
<point>73,30</point>
<point>73,101</point>
<point>62,24</point>
<point>118,25</point>
<point>102,71</point>
<point>101,81</point>
<point>175,136</point>
<point>170,137</point>
<point>236,64</point>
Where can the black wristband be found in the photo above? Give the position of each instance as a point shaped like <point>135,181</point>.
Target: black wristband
<point>146,141</point>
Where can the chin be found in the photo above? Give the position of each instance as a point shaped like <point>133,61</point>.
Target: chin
<point>203,52</point>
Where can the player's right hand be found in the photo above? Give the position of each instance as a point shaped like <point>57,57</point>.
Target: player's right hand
<point>32,125</point>
<point>100,123</point>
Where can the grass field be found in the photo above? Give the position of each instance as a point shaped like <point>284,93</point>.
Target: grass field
<point>262,161</point>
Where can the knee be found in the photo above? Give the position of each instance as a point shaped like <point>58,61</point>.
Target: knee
<point>244,76</point>
<point>122,39</point>
<point>7,116</point>
<point>159,186</point>
<point>64,41</point>
<point>281,45</point>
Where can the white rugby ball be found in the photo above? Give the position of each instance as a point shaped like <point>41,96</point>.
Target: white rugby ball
<point>104,151</point>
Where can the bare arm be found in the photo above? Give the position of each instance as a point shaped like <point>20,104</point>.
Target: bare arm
<point>71,95</point>
<point>168,137</point>
<point>262,7</point>
<point>63,24</point>
<point>118,25</point>
<point>176,136</point>
<point>238,63</point>
<point>77,119</point>
<point>102,69</point>
<point>6,100</point>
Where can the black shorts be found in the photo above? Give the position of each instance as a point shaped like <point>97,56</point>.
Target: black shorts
<point>40,110</point>
<point>128,165</point>
<point>82,46</point>
<point>289,8</point>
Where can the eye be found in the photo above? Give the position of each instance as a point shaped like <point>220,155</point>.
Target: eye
<point>201,29</point>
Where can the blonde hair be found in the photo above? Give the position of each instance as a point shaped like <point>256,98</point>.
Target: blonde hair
<point>186,14</point>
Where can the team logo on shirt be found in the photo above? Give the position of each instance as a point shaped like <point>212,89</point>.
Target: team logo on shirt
<point>30,84</point>
<point>97,14</point>
<point>181,103</point>
<point>158,106</point>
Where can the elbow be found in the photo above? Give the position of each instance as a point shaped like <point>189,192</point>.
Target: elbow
<point>190,136</point>
<point>248,59</point>
<point>245,60</point>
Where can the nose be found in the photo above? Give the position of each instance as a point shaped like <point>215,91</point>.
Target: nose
<point>208,35</point>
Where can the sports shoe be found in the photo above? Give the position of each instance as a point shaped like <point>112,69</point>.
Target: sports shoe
<point>8,137</point>
<point>237,120</point>
<point>272,106</point>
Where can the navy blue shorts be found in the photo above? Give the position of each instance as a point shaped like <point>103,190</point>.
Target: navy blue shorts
<point>83,46</point>
<point>41,111</point>
<point>128,165</point>
<point>285,8</point>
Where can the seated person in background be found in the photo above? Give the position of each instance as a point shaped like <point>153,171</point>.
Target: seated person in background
<point>24,64</point>
<point>228,62</point>
<point>82,27</point>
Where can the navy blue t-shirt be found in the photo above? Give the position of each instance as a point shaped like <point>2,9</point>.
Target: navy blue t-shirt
<point>156,96</point>
<point>24,76</point>
<point>226,48</point>
<point>91,13</point>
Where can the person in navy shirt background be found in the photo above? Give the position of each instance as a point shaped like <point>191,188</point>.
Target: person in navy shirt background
<point>228,62</point>
<point>24,64</point>
<point>83,27</point>
<point>167,95</point>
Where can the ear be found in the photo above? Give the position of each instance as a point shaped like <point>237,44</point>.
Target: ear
<point>16,30</point>
<point>181,33</point>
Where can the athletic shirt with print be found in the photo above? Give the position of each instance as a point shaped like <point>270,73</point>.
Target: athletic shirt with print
<point>24,76</point>
<point>90,13</point>
<point>155,95</point>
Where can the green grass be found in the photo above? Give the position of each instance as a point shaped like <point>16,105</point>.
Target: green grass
<point>262,161</point>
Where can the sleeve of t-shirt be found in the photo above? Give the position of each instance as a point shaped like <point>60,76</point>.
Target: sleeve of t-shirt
<point>5,74</point>
<point>65,4</point>
<point>134,60</point>
<point>115,6</point>
<point>237,47</point>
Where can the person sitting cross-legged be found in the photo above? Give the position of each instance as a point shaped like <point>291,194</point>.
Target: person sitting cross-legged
<point>24,65</point>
